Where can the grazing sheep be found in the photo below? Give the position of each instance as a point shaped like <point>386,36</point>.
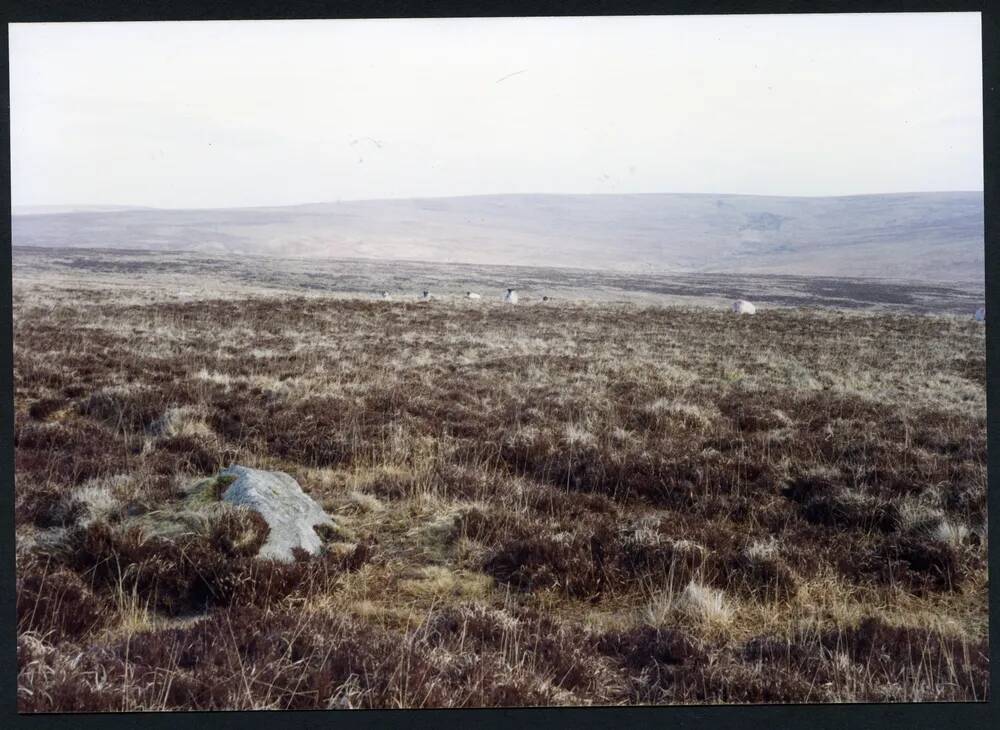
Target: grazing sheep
<point>742,306</point>
<point>511,296</point>
<point>386,295</point>
<point>472,295</point>
<point>981,314</point>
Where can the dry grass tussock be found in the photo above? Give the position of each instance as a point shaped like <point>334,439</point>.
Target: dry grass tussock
<point>560,504</point>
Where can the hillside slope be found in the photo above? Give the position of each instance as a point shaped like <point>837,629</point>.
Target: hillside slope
<point>923,236</point>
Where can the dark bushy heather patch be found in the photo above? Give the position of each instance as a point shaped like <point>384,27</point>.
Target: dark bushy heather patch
<point>69,453</point>
<point>57,604</point>
<point>903,655</point>
<point>197,571</point>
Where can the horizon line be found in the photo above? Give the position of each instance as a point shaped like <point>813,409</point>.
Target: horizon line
<point>115,208</point>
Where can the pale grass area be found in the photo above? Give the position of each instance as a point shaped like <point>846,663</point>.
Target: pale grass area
<point>700,604</point>
<point>183,422</point>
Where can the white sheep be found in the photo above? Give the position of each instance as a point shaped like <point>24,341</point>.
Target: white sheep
<point>742,306</point>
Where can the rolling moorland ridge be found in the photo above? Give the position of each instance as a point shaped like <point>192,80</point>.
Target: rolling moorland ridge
<point>925,237</point>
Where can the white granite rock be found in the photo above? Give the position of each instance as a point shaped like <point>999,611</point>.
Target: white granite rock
<point>291,514</point>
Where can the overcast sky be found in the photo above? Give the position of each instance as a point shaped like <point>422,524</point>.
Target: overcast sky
<point>248,113</point>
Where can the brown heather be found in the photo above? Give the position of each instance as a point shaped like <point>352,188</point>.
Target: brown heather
<point>558,504</point>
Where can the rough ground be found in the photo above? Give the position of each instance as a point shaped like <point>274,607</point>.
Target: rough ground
<point>547,504</point>
<point>147,276</point>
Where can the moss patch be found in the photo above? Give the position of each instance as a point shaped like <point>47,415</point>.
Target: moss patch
<point>208,491</point>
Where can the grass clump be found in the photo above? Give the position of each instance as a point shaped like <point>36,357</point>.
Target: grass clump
<point>209,490</point>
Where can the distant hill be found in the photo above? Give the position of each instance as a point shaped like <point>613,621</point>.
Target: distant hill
<point>916,236</point>
<point>50,209</point>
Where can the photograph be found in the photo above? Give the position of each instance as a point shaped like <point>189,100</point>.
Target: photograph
<point>499,362</point>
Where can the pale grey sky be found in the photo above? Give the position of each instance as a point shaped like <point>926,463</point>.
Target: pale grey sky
<point>243,113</point>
